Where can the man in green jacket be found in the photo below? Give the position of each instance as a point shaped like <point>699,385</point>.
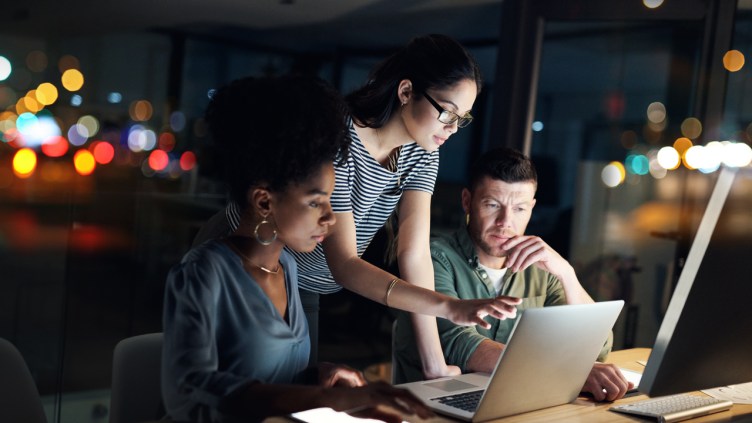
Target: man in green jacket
<point>492,256</point>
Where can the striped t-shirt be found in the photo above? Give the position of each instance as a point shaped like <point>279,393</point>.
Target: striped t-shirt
<point>371,193</point>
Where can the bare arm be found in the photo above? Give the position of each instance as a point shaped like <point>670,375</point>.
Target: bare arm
<point>361,277</point>
<point>414,258</point>
<point>485,356</point>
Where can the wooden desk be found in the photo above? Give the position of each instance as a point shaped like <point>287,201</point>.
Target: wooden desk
<point>585,410</point>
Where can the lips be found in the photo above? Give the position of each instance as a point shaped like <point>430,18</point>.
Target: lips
<point>439,141</point>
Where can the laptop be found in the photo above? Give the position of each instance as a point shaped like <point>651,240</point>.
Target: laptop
<point>547,359</point>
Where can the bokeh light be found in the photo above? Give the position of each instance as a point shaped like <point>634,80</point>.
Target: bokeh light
<point>90,123</point>
<point>68,62</point>
<point>78,135</point>
<point>682,144</point>
<point>656,170</point>
<point>668,158</point>
<point>691,128</point>
<point>166,141</point>
<point>158,160</point>
<point>55,146</point>
<point>103,152</point>
<point>140,110</point>
<point>656,112</point>
<point>537,126</point>
<point>693,158</point>
<point>36,130</point>
<point>24,162</point>
<point>177,121</point>
<point>7,122</point>
<point>76,100</point>
<point>36,61</point>
<point>30,102</point>
<point>187,161</point>
<point>84,162</point>
<point>13,137</point>
<point>5,68</point>
<point>737,154</point>
<point>140,139</point>
<point>652,4</point>
<point>712,157</point>
<point>72,80</point>
<point>7,97</point>
<point>637,164</point>
<point>46,93</point>
<point>114,97</point>
<point>613,174</point>
<point>733,60</point>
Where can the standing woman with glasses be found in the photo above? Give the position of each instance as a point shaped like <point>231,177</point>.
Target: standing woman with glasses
<point>412,103</point>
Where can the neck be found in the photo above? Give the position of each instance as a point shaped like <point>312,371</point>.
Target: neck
<point>489,261</point>
<point>380,142</point>
<point>251,251</point>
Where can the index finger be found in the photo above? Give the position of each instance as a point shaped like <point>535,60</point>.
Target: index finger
<point>509,300</point>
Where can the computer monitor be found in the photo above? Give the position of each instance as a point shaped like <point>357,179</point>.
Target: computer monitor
<point>705,339</point>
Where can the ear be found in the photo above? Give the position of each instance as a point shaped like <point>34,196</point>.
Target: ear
<point>259,199</point>
<point>467,196</point>
<point>405,91</point>
<point>532,204</point>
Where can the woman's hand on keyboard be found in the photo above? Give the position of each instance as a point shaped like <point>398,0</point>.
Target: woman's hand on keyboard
<point>339,375</point>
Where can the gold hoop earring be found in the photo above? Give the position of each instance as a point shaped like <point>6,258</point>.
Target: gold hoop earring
<point>467,219</point>
<point>265,241</point>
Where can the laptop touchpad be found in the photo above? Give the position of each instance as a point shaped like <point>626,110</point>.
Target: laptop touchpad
<point>450,385</point>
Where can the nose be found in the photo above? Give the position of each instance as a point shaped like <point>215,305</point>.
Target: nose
<point>503,218</point>
<point>453,127</point>
<point>328,217</point>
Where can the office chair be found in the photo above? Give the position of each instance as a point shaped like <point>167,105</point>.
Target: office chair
<point>19,397</point>
<point>136,394</point>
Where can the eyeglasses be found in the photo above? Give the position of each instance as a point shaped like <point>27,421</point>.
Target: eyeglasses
<point>447,117</point>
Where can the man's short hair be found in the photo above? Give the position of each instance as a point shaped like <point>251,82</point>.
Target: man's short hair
<point>504,164</point>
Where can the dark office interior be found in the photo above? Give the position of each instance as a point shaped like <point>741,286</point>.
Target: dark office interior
<point>598,95</point>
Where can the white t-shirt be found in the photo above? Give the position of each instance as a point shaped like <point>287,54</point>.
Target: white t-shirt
<point>495,276</point>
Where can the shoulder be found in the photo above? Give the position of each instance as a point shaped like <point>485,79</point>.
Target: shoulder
<point>414,153</point>
<point>211,255</point>
<point>444,249</point>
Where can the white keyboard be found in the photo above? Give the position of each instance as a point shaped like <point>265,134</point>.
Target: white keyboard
<point>674,408</point>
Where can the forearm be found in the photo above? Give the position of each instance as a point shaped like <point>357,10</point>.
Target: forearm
<point>485,356</point>
<point>418,270</point>
<point>367,280</point>
<point>573,289</point>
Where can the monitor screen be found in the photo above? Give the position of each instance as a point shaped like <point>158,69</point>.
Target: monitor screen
<point>705,338</point>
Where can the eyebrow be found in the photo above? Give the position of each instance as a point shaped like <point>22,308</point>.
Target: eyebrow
<point>456,107</point>
<point>316,191</point>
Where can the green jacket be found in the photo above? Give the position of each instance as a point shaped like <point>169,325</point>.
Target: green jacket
<point>457,273</point>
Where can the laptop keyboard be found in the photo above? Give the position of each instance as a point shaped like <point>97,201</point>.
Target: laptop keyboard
<point>467,401</point>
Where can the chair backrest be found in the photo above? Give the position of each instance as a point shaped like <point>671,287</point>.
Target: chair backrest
<point>19,397</point>
<point>136,394</point>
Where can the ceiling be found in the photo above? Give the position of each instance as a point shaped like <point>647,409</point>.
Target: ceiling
<point>297,24</point>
